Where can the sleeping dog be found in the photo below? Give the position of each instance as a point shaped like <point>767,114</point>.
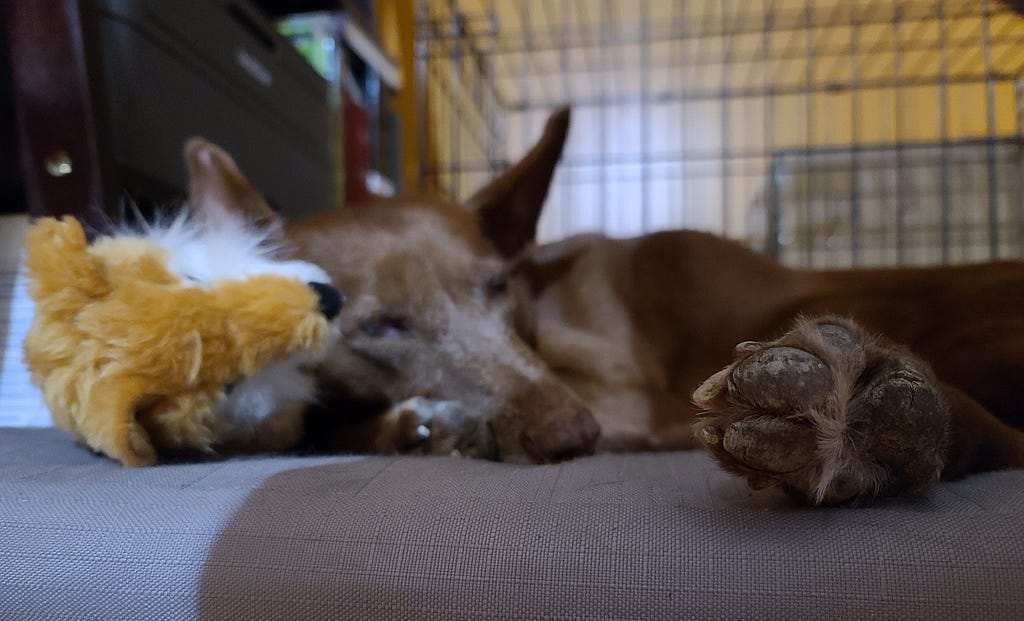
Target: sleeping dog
<point>460,335</point>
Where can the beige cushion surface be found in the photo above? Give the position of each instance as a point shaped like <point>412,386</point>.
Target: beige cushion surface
<point>647,536</point>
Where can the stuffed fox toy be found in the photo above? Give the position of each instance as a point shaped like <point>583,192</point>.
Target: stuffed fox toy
<point>182,336</point>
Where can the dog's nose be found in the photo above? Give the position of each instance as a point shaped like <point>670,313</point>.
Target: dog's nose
<point>564,434</point>
<point>330,299</point>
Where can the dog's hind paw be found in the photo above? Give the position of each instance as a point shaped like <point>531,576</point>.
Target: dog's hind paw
<point>427,427</point>
<point>827,412</point>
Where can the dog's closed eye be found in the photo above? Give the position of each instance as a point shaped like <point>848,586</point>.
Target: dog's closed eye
<point>384,325</point>
<point>495,286</point>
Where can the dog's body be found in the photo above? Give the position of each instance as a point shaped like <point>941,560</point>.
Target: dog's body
<point>634,327</point>
<point>453,307</point>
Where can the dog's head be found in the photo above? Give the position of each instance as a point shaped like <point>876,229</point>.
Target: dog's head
<point>431,310</point>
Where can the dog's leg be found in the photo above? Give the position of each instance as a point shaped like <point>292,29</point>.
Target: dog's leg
<point>429,427</point>
<point>834,415</point>
<point>414,426</point>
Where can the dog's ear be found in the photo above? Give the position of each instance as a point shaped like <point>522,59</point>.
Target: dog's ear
<point>509,206</point>
<point>219,191</point>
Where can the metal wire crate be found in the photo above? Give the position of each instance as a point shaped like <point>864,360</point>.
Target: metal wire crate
<point>826,133</point>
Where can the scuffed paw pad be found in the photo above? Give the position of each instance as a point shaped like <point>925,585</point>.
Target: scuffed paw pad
<point>781,378</point>
<point>827,412</point>
<point>770,444</point>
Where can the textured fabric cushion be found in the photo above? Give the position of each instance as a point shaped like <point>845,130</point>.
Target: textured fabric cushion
<point>662,536</point>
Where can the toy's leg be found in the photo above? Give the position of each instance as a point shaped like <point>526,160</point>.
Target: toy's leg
<point>107,420</point>
<point>197,421</point>
<point>185,422</point>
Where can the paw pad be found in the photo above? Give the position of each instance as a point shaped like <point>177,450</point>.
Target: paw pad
<point>771,444</point>
<point>782,378</point>
<point>827,412</point>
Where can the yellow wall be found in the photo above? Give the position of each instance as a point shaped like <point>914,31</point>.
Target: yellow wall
<point>886,59</point>
<point>397,22</point>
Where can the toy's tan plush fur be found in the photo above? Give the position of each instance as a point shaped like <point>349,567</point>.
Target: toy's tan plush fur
<point>133,361</point>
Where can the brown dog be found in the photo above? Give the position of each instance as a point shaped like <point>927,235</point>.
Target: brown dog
<point>472,339</point>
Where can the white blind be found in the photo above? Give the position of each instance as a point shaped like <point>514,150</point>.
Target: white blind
<point>21,404</point>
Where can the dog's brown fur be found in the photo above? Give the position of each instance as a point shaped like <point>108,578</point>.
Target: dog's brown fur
<point>515,351</point>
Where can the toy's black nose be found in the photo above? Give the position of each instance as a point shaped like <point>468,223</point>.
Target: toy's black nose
<point>330,299</point>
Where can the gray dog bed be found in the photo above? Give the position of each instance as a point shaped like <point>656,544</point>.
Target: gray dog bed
<point>653,536</point>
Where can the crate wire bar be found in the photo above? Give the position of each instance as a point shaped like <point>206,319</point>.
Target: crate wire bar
<point>830,133</point>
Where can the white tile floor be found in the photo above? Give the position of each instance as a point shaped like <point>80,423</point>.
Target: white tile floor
<point>21,404</point>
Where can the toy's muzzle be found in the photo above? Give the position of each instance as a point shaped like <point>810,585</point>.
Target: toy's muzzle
<point>330,299</point>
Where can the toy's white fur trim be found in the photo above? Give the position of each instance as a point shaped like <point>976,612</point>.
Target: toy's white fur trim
<point>202,252</point>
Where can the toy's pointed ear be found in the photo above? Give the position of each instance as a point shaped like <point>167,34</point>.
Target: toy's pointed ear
<point>509,206</point>
<point>218,191</point>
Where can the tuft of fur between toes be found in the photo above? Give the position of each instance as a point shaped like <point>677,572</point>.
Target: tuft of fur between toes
<point>828,412</point>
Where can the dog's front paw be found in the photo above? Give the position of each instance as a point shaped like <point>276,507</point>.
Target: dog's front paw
<point>828,413</point>
<point>429,427</point>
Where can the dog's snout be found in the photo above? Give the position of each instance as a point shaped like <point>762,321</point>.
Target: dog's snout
<point>330,299</point>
